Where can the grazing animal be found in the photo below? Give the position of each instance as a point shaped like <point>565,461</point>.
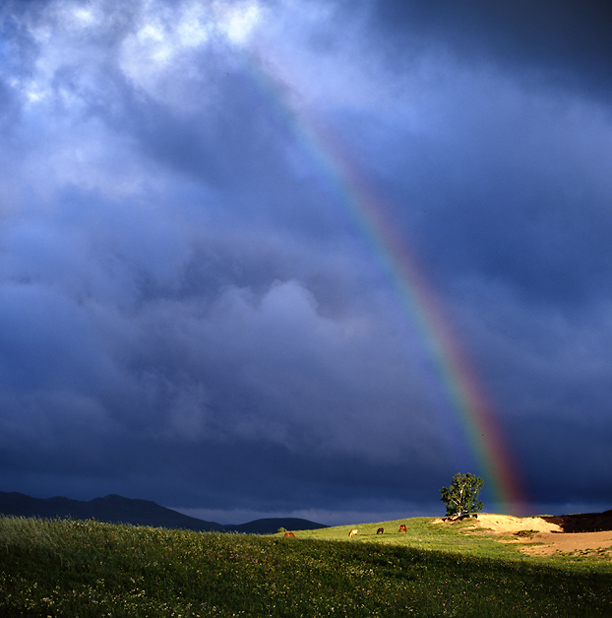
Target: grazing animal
<point>353,532</point>
<point>402,529</point>
<point>290,534</point>
<point>380,531</point>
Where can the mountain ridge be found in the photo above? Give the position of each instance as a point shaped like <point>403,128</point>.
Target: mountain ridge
<point>118,509</point>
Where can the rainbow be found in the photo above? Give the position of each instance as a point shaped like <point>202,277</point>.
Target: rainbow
<point>456,375</point>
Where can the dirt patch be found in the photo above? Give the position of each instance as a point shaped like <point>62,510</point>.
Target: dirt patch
<point>582,543</point>
<point>547,535</point>
<point>507,524</point>
<point>488,523</point>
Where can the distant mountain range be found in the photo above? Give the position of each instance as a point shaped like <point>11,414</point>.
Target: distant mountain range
<point>117,509</point>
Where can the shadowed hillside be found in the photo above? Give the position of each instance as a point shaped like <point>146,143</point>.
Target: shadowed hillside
<point>583,522</point>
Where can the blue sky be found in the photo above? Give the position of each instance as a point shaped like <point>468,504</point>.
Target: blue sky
<point>191,311</point>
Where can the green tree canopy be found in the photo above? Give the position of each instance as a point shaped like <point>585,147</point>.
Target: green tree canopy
<point>461,496</point>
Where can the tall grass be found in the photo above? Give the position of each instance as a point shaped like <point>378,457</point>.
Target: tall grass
<point>89,569</point>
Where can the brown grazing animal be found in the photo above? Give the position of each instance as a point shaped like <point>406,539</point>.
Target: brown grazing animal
<point>402,529</point>
<point>353,532</point>
<point>290,534</point>
<point>380,531</point>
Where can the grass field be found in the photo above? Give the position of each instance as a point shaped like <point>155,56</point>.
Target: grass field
<point>73,569</point>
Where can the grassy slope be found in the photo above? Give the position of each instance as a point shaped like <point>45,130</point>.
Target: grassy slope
<point>420,534</point>
<point>74,568</point>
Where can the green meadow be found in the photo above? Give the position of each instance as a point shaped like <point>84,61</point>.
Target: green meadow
<point>79,569</point>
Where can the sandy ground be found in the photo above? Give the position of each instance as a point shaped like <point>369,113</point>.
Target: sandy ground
<point>507,524</point>
<point>583,543</point>
<point>486,523</point>
<point>547,537</point>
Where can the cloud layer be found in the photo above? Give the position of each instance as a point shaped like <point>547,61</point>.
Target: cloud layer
<point>190,309</point>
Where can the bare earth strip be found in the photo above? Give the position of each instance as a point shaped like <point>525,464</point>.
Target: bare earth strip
<point>487,523</point>
<point>548,537</point>
<point>507,524</point>
<point>570,542</point>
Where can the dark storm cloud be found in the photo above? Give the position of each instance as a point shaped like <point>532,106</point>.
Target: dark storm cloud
<point>190,311</point>
<point>555,471</point>
<point>565,42</point>
<point>534,220</point>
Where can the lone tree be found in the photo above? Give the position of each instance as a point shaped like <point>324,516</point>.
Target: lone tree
<point>461,496</point>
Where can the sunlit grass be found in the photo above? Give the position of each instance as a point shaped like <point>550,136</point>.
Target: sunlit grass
<point>89,569</point>
<point>460,537</point>
<point>420,534</point>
